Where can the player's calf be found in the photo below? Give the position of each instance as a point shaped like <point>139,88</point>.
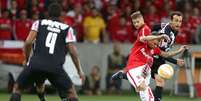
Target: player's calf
<point>142,86</point>
<point>146,95</point>
<point>68,95</point>
<point>145,92</point>
<point>16,95</point>
<point>40,88</point>
<point>72,95</point>
<point>140,82</point>
<point>160,82</point>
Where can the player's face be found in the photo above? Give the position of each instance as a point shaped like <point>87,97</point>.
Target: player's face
<point>153,43</point>
<point>138,22</point>
<point>176,22</point>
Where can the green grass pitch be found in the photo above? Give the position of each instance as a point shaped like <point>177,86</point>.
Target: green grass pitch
<point>25,97</point>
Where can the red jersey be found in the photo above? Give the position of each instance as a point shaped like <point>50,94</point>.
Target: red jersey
<point>21,4</point>
<point>5,34</point>
<point>22,28</point>
<point>141,54</point>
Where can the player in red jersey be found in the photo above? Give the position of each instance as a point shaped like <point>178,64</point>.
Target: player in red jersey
<point>140,60</point>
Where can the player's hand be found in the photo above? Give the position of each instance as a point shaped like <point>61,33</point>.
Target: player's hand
<point>166,37</point>
<point>24,63</point>
<point>82,77</point>
<point>180,62</point>
<point>183,47</point>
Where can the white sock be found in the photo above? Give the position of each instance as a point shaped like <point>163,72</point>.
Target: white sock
<point>146,95</point>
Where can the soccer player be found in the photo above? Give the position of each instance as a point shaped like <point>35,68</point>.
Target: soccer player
<point>138,69</point>
<point>52,39</point>
<point>170,29</point>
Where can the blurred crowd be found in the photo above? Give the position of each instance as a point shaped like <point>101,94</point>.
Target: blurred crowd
<point>98,21</point>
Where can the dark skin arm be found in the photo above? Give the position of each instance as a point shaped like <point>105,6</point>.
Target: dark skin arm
<point>179,62</point>
<point>173,53</point>
<point>28,44</point>
<point>73,53</point>
<point>172,60</point>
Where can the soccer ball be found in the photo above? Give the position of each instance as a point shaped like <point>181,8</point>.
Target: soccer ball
<point>165,71</point>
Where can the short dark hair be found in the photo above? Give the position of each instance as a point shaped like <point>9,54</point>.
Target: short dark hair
<point>172,14</point>
<point>54,10</point>
<point>136,15</point>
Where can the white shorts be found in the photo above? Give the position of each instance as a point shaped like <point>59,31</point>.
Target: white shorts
<point>139,74</point>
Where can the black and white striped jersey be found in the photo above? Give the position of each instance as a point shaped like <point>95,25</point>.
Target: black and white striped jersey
<point>165,29</point>
<point>50,44</point>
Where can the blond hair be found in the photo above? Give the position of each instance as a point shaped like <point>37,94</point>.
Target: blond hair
<point>136,14</point>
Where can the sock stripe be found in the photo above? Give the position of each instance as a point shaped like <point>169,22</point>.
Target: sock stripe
<point>150,94</point>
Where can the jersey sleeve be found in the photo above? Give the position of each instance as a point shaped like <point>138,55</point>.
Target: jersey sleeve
<point>70,35</point>
<point>144,32</point>
<point>157,51</point>
<point>165,30</point>
<point>35,26</point>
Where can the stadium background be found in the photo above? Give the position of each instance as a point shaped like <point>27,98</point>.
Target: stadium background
<point>16,17</point>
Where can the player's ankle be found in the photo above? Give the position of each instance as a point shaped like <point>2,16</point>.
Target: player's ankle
<point>158,93</point>
<point>157,99</point>
<point>15,97</point>
<point>64,99</point>
<point>41,96</point>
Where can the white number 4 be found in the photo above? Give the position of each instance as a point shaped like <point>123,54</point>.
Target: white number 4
<point>50,41</point>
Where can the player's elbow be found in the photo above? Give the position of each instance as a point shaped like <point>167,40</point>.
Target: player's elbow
<point>143,39</point>
<point>27,43</point>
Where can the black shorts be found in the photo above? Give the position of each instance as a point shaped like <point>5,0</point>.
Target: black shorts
<point>157,62</point>
<point>58,78</point>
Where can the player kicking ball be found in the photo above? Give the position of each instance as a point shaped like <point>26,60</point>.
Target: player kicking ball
<point>138,69</point>
<point>52,40</point>
<point>170,29</point>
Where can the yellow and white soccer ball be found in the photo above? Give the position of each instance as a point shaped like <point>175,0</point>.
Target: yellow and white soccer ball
<point>165,71</point>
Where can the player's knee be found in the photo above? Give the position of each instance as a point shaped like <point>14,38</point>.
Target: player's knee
<point>142,87</point>
<point>159,81</point>
<point>62,94</point>
<point>72,93</point>
<point>16,89</point>
<point>40,88</point>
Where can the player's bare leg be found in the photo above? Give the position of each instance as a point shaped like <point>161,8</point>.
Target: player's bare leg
<point>160,82</point>
<point>72,95</point>
<point>40,88</point>
<point>145,92</point>
<point>16,94</point>
<point>143,89</point>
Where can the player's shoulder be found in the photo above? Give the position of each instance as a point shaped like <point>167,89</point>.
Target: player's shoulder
<point>36,21</point>
<point>54,23</point>
<point>146,28</point>
<point>166,26</point>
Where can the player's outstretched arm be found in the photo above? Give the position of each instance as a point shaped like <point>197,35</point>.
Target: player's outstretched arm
<point>173,53</point>
<point>73,53</point>
<point>153,37</point>
<point>170,59</point>
<point>28,44</point>
<point>179,62</point>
